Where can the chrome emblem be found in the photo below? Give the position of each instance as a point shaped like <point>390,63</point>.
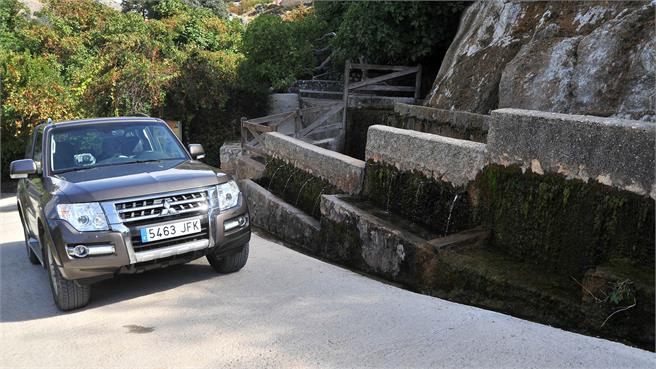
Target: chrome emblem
<point>168,210</point>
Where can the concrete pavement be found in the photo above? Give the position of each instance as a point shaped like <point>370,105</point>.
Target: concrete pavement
<point>284,309</point>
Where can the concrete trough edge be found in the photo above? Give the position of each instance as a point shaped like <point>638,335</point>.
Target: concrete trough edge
<point>342,171</point>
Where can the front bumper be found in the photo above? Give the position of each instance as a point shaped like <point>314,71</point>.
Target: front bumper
<point>126,260</point>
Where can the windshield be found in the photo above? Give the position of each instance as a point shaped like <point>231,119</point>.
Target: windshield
<point>83,147</point>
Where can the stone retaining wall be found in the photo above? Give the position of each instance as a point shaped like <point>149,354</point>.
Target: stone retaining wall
<point>436,119</point>
<point>344,172</point>
<point>614,152</point>
<point>448,123</point>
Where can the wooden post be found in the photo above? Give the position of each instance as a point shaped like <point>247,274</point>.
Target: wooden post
<point>298,123</point>
<point>243,136</point>
<point>347,72</point>
<point>418,84</point>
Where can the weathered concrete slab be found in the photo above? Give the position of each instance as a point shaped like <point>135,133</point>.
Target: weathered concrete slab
<point>615,152</point>
<point>454,118</point>
<point>371,101</point>
<point>360,239</point>
<point>342,171</point>
<point>443,158</point>
<point>272,214</point>
<point>248,168</point>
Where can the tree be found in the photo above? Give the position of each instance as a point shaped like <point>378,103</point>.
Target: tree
<point>278,52</point>
<point>395,32</point>
<point>158,9</point>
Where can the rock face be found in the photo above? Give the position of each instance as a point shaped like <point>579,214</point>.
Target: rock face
<point>580,57</point>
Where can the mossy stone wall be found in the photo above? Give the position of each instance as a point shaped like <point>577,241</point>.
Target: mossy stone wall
<point>564,225</point>
<point>297,187</point>
<point>439,206</point>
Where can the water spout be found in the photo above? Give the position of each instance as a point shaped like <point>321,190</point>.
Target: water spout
<point>317,201</point>
<point>448,220</point>
<point>421,185</point>
<point>274,176</point>
<point>300,191</point>
<point>389,191</point>
<point>287,183</point>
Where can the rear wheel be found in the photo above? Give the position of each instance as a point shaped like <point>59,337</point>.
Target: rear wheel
<point>68,295</point>
<point>229,263</point>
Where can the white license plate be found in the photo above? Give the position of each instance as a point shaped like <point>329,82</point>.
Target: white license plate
<point>178,229</point>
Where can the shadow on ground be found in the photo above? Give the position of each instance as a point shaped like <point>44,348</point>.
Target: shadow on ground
<point>25,290</point>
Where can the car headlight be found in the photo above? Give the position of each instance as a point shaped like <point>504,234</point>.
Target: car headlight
<point>83,217</point>
<point>228,194</point>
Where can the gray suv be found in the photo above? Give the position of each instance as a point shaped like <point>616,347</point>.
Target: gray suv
<point>108,196</point>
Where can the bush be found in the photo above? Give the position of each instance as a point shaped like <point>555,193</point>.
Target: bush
<point>79,59</point>
<point>278,52</point>
<point>396,33</point>
<point>157,9</point>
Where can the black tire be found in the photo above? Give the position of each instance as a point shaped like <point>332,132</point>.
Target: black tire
<point>68,295</point>
<point>229,263</point>
<point>30,254</point>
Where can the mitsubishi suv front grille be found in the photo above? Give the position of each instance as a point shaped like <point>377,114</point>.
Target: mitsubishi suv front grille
<point>162,207</point>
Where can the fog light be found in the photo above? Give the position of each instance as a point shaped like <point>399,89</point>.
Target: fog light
<point>79,251</point>
<point>83,251</point>
<point>238,222</point>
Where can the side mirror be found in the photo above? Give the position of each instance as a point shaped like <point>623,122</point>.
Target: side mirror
<point>196,151</point>
<point>22,168</point>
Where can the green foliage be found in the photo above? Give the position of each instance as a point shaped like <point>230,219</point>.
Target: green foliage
<point>278,51</point>
<point>79,58</point>
<point>393,32</point>
<point>157,9</point>
<point>12,18</point>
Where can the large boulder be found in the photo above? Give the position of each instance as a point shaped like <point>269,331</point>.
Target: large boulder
<point>594,58</point>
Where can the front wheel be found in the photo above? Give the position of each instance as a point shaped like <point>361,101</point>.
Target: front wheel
<point>229,263</point>
<point>68,295</point>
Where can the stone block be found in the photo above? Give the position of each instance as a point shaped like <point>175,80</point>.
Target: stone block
<point>614,152</point>
<point>443,158</point>
<point>455,118</point>
<point>229,153</point>
<point>357,238</point>
<point>248,168</point>
<point>344,172</point>
<point>272,214</point>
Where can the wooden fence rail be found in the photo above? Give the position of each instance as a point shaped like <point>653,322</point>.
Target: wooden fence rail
<point>252,129</point>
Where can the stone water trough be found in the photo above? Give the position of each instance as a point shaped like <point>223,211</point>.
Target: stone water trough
<point>552,219</point>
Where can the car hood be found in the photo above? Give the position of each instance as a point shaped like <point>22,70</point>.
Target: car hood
<point>132,180</point>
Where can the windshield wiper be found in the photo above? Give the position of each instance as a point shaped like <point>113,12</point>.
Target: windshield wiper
<point>73,170</point>
<point>112,164</point>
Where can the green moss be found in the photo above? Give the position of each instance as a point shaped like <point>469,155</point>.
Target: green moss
<point>561,224</point>
<point>418,198</point>
<point>297,187</point>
